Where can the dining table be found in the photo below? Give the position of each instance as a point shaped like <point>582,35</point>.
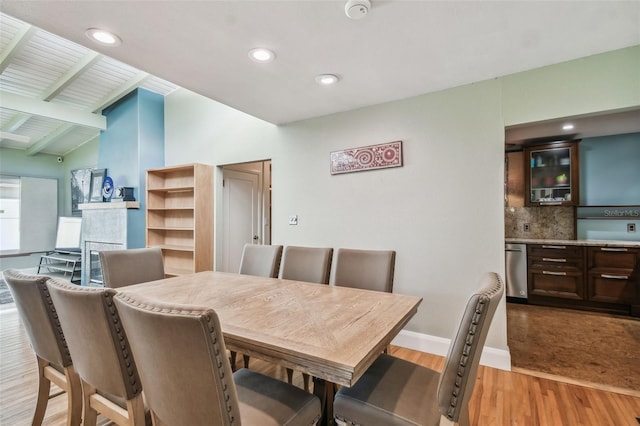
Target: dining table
<point>330,332</point>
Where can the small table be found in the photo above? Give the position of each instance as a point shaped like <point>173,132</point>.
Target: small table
<point>332,333</point>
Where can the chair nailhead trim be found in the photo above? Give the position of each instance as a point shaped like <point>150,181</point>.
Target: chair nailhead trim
<point>199,314</point>
<point>53,315</point>
<point>132,372</point>
<point>480,308</point>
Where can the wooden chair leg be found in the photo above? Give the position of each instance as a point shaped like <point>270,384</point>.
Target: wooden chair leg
<point>90,413</point>
<point>44,386</point>
<point>305,380</point>
<point>74,396</point>
<point>232,360</point>
<point>246,360</point>
<point>135,410</point>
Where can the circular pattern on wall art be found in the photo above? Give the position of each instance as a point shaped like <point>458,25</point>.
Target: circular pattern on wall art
<point>389,154</point>
<point>364,157</point>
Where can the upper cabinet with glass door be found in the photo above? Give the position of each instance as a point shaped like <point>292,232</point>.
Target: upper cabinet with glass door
<point>552,174</point>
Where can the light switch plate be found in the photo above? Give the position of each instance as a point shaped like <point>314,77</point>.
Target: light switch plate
<point>293,219</point>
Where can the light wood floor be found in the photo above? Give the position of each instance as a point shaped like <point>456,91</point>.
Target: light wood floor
<point>500,398</point>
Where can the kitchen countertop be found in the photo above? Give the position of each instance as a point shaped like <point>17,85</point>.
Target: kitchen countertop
<point>603,243</point>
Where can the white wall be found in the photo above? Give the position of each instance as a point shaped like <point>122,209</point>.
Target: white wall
<point>442,212</point>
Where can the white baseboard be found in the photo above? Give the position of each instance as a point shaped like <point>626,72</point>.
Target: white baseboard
<point>491,357</point>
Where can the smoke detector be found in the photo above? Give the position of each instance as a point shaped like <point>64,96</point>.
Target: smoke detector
<point>357,9</point>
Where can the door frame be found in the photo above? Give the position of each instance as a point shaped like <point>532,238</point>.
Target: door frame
<point>263,169</point>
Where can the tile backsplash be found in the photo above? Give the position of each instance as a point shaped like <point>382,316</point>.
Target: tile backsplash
<point>548,222</point>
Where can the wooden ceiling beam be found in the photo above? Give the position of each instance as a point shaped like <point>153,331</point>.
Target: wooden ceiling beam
<point>51,110</point>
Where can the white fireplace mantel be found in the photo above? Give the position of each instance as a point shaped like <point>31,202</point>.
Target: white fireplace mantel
<point>104,227</point>
<point>111,205</point>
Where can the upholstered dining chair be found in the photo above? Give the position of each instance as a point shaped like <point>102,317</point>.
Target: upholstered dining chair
<point>308,264</point>
<point>261,261</point>
<point>40,321</point>
<point>365,269</point>
<point>133,266</point>
<point>187,376</point>
<point>101,353</point>
<point>394,391</point>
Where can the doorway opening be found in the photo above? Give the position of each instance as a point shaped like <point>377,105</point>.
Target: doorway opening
<point>244,212</point>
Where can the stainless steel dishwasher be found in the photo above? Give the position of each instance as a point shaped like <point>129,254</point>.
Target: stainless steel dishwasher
<point>516,272</point>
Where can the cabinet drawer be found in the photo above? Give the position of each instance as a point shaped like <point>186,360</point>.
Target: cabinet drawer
<point>556,283</point>
<point>613,257</point>
<point>556,264</point>
<point>612,287</point>
<point>555,251</point>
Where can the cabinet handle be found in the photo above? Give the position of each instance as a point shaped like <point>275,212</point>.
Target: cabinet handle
<point>554,273</point>
<point>551,259</point>
<point>613,249</point>
<point>554,247</point>
<point>615,277</point>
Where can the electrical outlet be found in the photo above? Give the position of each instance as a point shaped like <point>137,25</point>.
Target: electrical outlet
<point>631,227</point>
<point>293,219</point>
<point>526,227</point>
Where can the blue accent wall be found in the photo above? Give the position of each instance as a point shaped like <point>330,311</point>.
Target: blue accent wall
<point>133,143</point>
<point>609,176</point>
<point>610,170</point>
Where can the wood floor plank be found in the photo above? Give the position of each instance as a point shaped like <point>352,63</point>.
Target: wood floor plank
<point>500,398</point>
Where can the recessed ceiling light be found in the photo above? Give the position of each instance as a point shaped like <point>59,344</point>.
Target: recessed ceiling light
<point>327,79</point>
<point>103,37</point>
<point>260,54</point>
<point>568,126</point>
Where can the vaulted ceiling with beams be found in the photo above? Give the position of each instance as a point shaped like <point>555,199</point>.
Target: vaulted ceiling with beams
<point>401,49</point>
<point>52,91</point>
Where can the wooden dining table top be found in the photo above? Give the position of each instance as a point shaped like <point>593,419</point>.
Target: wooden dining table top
<point>333,333</point>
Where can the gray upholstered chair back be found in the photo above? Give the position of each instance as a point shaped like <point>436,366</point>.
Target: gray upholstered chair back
<point>461,364</point>
<point>366,269</point>
<point>182,360</point>
<point>309,264</point>
<point>38,315</point>
<point>133,266</point>
<point>96,340</point>
<point>261,260</point>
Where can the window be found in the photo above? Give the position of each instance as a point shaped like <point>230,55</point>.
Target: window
<point>9,213</point>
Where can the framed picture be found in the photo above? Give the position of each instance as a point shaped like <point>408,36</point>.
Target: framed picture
<point>370,157</point>
<point>97,180</point>
<point>80,189</point>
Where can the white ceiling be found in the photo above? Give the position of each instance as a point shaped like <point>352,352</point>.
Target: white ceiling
<point>400,49</point>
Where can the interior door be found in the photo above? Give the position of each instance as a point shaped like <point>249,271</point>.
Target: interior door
<point>241,216</point>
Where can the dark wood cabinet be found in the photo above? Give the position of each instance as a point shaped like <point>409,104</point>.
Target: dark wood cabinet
<point>552,174</point>
<point>597,278</point>
<point>555,271</point>
<point>613,274</point>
